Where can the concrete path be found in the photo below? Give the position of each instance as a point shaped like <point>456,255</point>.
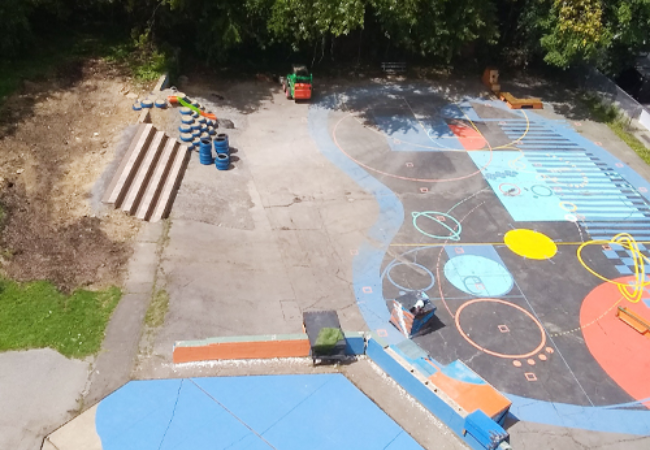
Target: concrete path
<point>39,391</point>
<point>251,248</point>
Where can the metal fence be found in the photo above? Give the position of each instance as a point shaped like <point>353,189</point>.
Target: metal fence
<point>609,92</point>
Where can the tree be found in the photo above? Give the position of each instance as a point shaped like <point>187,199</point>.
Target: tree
<point>439,28</point>
<point>15,30</point>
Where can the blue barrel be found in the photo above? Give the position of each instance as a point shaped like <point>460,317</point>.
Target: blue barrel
<point>186,111</point>
<point>137,107</point>
<point>222,161</point>
<point>221,144</point>
<point>205,152</point>
<point>186,137</point>
<point>185,128</point>
<point>187,120</point>
<point>146,103</point>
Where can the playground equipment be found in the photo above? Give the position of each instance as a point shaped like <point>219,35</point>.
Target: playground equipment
<point>175,100</point>
<point>411,312</point>
<point>298,84</point>
<point>491,79</point>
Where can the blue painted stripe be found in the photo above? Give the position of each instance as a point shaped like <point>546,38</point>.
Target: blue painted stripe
<point>589,418</point>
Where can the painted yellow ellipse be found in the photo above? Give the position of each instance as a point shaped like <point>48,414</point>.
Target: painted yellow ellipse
<point>530,244</point>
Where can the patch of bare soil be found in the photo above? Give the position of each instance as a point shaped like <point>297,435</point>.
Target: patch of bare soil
<point>56,139</point>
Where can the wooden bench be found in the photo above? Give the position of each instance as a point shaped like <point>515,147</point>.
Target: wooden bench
<point>520,103</point>
<point>393,67</point>
<point>634,320</point>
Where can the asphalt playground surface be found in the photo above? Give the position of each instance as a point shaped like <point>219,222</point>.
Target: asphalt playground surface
<point>525,235</point>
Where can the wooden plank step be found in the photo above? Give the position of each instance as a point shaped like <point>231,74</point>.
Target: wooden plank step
<point>121,181</point>
<point>168,192</point>
<point>637,322</point>
<point>141,178</point>
<point>151,195</point>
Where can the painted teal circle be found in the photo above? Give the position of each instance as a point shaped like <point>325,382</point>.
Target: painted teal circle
<point>478,275</point>
<point>395,263</point>
<point>546,194</point>
<point>454,234</point>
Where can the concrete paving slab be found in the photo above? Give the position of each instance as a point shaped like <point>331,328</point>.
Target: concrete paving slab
<point>142,268</point>
<point>39,391</point>
<point>78,434</point>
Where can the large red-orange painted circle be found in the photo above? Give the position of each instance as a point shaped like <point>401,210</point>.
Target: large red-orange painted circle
<point>622,352</point>
<point>493,353</point>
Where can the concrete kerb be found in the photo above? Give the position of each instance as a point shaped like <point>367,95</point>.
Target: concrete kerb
<point>475,428</point>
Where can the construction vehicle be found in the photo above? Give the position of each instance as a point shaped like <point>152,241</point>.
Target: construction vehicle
<point>298,84</point>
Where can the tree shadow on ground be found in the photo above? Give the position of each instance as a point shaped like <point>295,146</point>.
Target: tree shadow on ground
<point>396,104</point>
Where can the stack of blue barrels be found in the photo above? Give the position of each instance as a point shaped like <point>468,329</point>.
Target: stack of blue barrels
<point>222,147</point>
<point>205,152</point>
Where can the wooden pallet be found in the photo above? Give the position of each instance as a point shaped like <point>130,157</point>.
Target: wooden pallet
<point>520,103</point>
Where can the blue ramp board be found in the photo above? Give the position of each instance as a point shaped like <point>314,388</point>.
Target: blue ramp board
<point>289,412</point>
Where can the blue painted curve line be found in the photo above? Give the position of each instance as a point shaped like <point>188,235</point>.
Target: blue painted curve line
<point>367,282</point>
<point>366,266</point>
<point>595,418</point>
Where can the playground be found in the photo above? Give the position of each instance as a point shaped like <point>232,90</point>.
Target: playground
<point>526,230</point>
<point>529,238</point>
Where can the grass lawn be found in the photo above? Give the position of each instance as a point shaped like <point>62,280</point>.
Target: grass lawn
<point>37,315</point>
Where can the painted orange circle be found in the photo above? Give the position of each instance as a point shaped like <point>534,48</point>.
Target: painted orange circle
<point>493,353</point>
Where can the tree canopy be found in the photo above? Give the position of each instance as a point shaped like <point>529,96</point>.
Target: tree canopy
<point>561,33</point>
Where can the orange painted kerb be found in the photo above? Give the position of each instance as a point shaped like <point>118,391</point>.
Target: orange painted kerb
<point>470,396</point>
<point>263,349</point>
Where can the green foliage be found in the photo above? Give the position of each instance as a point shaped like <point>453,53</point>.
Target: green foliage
<point>15,30</point>
<point>438,28</point>
<point>37,315</point>
<point>146,61</point>
<point>157,309</point>
<point>577,33</point>
<point>562,33</point>
<point>304,21</point>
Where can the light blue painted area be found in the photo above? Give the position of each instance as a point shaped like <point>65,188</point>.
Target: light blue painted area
<point>459,371</point>
<point>530,198</point>
<point>152,415</point>
<point>263,402</point>
<point>608,419</point>
<point>291,412</point>
<point>478,276</point>
<point>410,134</point>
